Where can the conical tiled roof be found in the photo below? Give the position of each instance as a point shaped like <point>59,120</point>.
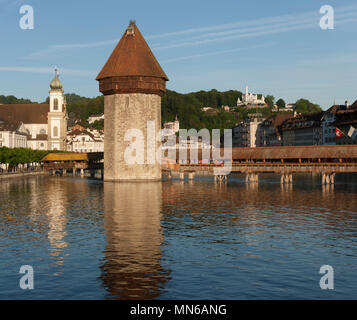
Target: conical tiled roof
<point>132,57</point>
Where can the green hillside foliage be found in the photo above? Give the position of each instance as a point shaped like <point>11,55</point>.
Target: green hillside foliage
<point>187,107</point>
<point>305,106</point>
<point>80,108</point>
<point>14,100</point>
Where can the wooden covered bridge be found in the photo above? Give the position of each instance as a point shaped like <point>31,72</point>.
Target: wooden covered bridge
<point>64,163</point>
<point>326,160</point>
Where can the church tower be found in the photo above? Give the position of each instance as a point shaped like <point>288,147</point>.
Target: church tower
<point>132,83</point>
<point>57,117</point>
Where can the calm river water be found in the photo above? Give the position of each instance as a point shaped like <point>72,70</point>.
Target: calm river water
<point>86,239</point>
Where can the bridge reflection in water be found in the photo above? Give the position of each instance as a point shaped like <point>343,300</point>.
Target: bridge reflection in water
<point>178,239</point>
<point>132,220</point>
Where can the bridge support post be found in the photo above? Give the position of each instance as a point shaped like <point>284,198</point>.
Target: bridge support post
<point>251,177</point>
<point>332,178</point>
<point>191,175</point>
<point>182,176</point>
<point>82,172</point>
<point>64,172</point>
<point>220,178</point>
<point>328,178</point>
<point>286,178</point>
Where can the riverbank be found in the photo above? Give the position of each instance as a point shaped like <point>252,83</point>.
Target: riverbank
<point>10,175</point>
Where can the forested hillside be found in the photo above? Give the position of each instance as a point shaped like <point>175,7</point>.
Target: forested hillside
<point>187,107</point>
<point>13,100</point>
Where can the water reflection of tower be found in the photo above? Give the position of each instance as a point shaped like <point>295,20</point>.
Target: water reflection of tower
<point>132,219</point>
<point>57,219</point>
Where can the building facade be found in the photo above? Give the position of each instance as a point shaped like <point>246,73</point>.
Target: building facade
<point>84,141</point>
<point>303,130</point>
<point>247,134</point>
<point>95,117</point>
<point>271,130</point>
<point>346,122</point>
<point>173,126</point>
<point>13,135</point>
<point>45,124</point>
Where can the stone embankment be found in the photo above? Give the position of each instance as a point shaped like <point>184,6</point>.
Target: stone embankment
<point>10,175</point>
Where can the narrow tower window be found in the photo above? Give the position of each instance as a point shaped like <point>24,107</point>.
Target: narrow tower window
<point>55,104</point>
<point>55,131</point>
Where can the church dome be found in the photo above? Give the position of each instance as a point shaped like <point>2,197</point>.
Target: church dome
<point>56,83</point>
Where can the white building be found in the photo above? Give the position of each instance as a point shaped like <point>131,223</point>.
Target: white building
<point>13,135</point>
<point>289,107</point>
<point>85,141</point>
<point>174,126</point>
<point>45,124</point>
<point>247,134</point>
<point>95,117</point>
<point>250,99</point>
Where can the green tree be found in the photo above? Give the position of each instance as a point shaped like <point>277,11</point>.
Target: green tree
<point>305,106</point>
<point>14,100</point>
<point>280,103</point>
<point>270,101</point>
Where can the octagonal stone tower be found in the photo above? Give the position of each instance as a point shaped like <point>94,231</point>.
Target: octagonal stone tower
<point>132,82</point>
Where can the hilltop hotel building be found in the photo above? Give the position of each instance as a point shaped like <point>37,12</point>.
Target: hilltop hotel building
<point>45,125</point>
<point>250,99</point>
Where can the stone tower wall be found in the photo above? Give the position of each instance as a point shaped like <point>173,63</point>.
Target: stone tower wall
<point>123,112</point>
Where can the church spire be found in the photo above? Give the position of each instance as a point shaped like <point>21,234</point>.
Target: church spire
<point>56,83</point>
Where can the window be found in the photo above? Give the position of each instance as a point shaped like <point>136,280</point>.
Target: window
<point>55,131</point>
<point>55,104</point>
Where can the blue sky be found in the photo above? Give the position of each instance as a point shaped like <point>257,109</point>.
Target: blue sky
<point>276,47</point>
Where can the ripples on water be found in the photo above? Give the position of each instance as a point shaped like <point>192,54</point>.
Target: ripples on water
<point>178,240</point>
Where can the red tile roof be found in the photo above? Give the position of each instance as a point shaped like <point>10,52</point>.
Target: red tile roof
<point>27,113</point>
<point>9,126</point>
<point>132,57</point>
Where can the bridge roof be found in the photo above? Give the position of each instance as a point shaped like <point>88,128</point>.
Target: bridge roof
<point>73,156</point>
<point>295,152</point>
